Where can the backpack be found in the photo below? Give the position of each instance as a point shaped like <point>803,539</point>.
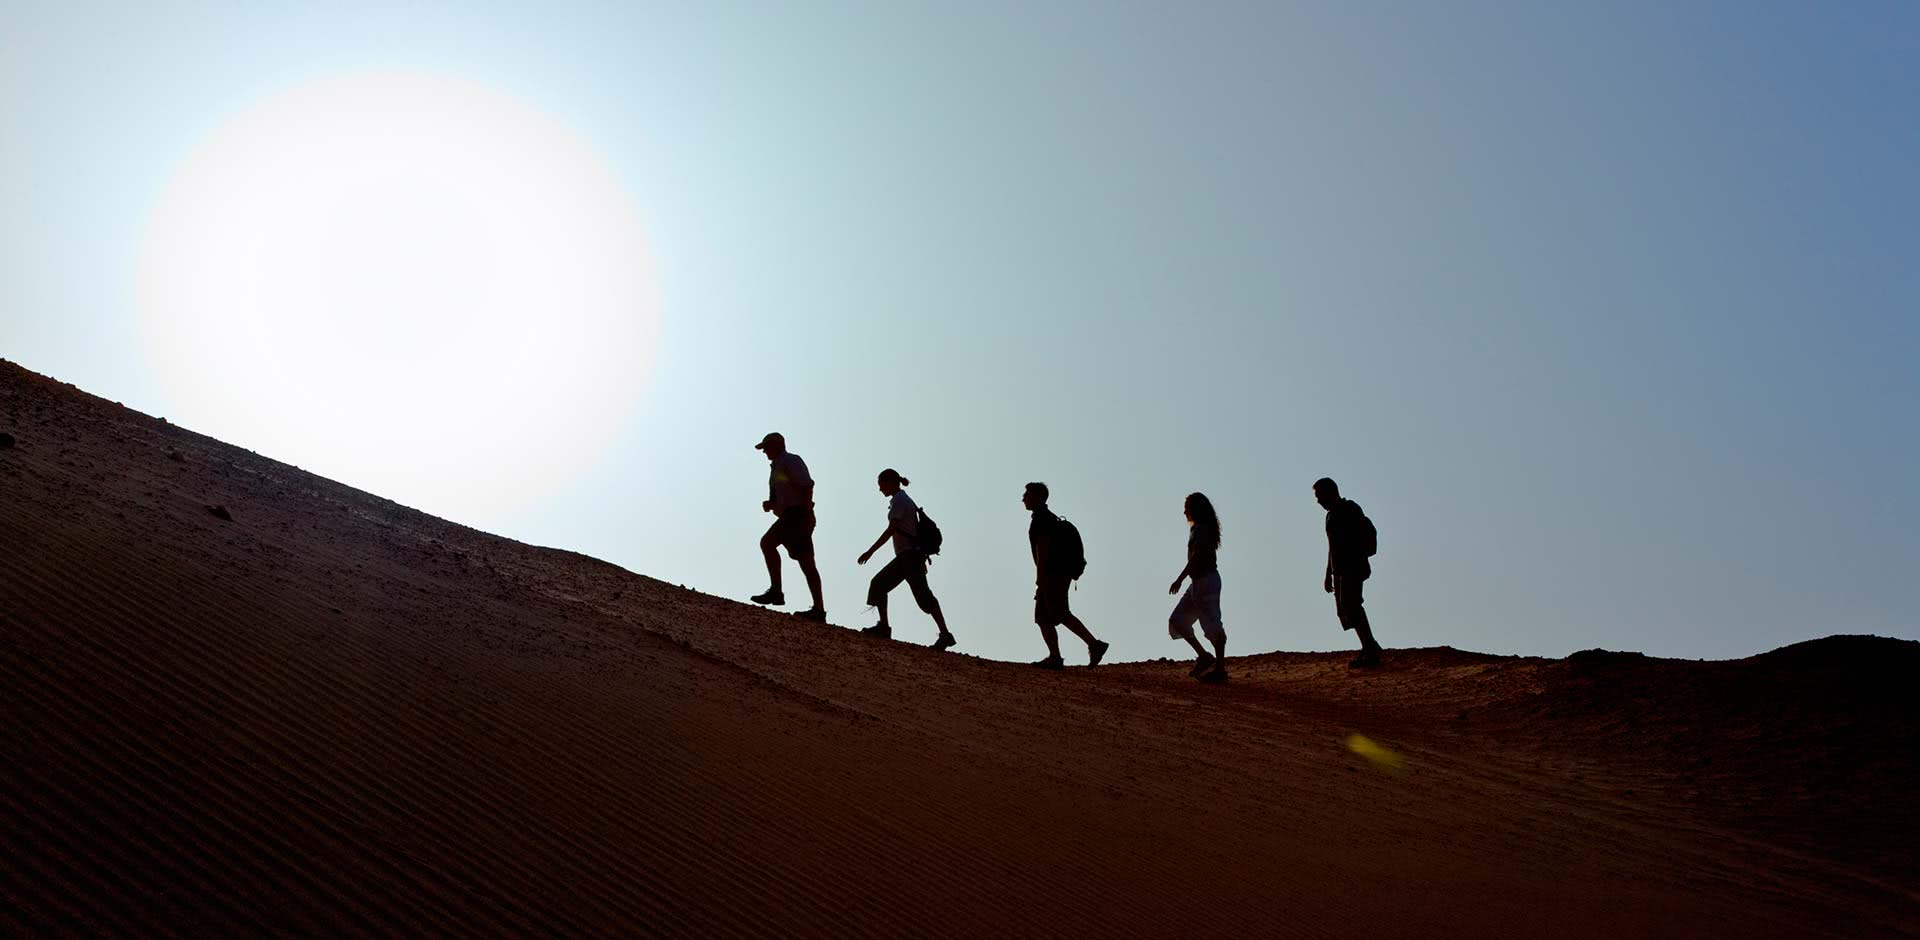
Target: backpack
<point>927,535</point>
<point>1369,536</point>
<point>1067,555</point>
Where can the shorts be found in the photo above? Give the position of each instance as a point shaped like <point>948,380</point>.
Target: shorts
<point>1347,599</point>
<point>794,530</point>
<point>1201,602</point>
<point>1050,601</point>
<point>910,567</point>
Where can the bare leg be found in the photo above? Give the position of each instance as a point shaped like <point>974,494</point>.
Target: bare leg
<point>1219,648</point>
<point>1358,617</point>
<point>812,571</point>
<point>1080,630</point>
<point>939,619</point>
<point>880,604</point>
<point>1052,636</point>
<point>1198,650</point>
<point>770,547</point>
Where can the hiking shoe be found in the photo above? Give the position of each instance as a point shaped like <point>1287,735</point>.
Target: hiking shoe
<point>945,641</point>
<point>1095,650</point>
<point>1214,676</point>
<point>1051,662</point>
<point>1201,665</point>
<point>1366,660</point>
<point>880,630</point>
<point>772,598</point>
<point>814,614</point>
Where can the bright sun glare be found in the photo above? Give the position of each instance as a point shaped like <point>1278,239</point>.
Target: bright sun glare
<point>412,283</point>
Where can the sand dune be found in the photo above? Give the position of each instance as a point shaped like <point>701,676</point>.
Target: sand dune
<point>330,715</point>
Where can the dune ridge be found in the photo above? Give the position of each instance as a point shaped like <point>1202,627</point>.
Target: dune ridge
<point>331,715</point>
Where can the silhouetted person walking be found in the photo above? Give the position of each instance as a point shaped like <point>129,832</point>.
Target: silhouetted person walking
<point>1058,559</point>
<point>909,562</point>
<point>1351,540</point>
<point>790,499</point>
<point>1202,600</point>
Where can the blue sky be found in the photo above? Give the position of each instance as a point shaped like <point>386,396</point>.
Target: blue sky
<point>1606,315</point>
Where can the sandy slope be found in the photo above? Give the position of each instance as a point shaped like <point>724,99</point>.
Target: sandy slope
<point>333,715</point>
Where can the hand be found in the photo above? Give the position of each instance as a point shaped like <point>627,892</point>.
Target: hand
<point>1326,584</point>
<point>864,556</point>
<point>766,505</point>
<point>1176,586</point>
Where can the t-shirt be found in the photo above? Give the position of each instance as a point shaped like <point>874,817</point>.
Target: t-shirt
<point>788,484</point>
<point>1040,537</point>
<point>904,520</point>
<point>1346,546</point>
<point>1203,557</point>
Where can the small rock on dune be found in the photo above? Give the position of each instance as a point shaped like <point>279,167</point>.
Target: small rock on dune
<point>220,512</point>
<point>6,440</point>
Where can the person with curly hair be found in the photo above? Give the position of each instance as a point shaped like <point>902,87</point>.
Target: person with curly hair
<point>1201,602</point>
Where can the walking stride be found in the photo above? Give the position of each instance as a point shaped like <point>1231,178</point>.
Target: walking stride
<point>910,559</point>
<point>1058,559</point>
<point>1202,600</point>
<point>790,499</point>
<point>1351,540</point>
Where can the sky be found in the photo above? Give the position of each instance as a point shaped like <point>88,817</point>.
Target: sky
<point>1605,313</point>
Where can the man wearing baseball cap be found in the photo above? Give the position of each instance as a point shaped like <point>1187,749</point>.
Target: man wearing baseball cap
<point>790,499</point>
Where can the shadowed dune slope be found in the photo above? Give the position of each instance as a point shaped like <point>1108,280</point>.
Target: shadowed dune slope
<point>330,715</point>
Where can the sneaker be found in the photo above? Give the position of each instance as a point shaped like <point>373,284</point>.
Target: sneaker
<point>772,598</point>
<point>880,630</point>
<point>1095,650</point>
<point>1201,665</point>
<point>945,641</point>
<point>1051,662</point>
<point>814,614</point>
<point>1366,660</point>
<point>1214,676</point>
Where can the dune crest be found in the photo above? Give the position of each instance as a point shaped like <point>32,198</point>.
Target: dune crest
<point>321,713</point>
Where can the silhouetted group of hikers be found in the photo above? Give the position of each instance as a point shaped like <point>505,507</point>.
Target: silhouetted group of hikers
<point>1059,559</point>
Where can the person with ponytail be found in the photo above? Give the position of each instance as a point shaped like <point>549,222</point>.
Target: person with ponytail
<point>1202,600</point>
<point>909,563</point>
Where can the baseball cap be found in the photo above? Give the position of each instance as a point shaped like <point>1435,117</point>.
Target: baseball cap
<point>772,437</point>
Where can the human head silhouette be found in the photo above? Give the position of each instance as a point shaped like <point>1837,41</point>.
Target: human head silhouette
<point>1035,496</point>
<point>1201,516</point>
<point>1326,492</point>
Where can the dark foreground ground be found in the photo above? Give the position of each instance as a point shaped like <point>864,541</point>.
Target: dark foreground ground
<point>331,715</point>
